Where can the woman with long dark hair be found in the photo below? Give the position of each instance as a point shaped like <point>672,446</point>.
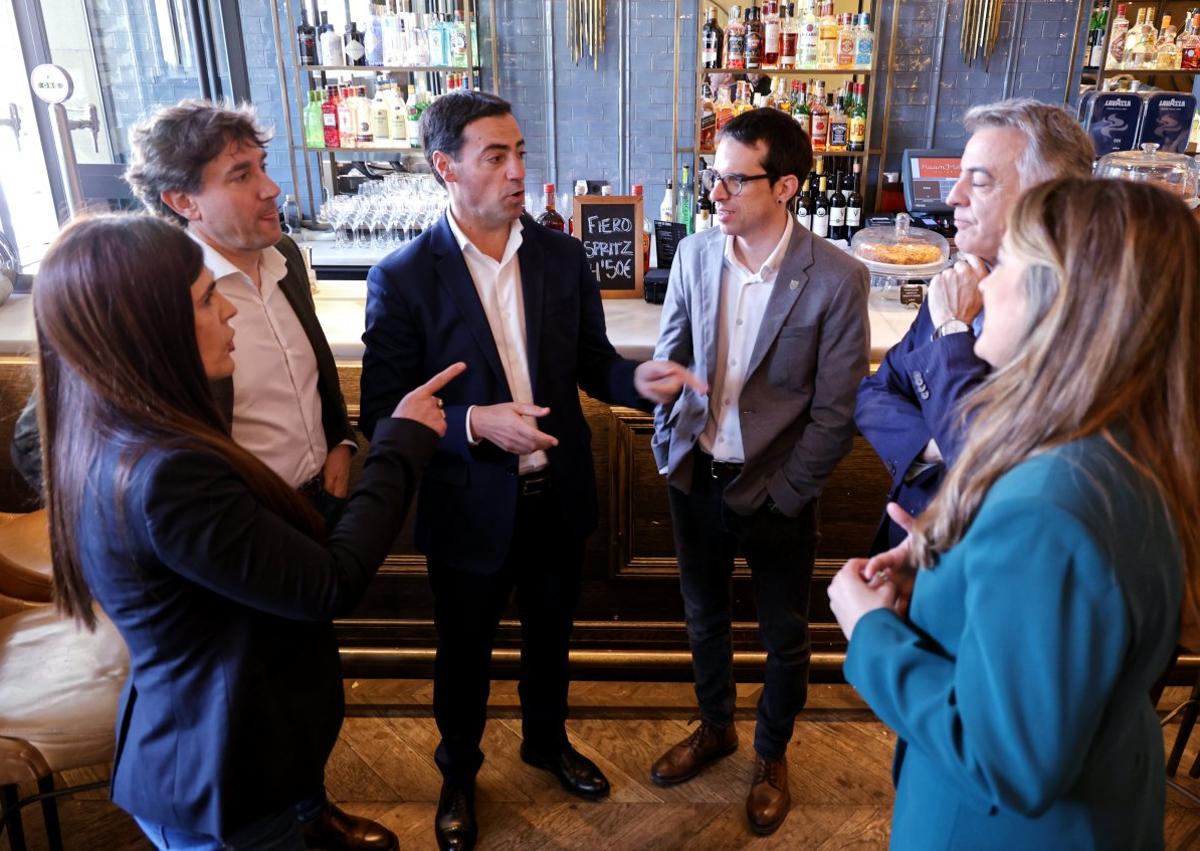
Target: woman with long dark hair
<point>219,577</point>
<point>1052,567</point>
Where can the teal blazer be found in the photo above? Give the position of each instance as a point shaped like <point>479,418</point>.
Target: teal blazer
<point>1018,688</point>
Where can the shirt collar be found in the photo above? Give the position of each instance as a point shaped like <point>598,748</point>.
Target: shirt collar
<point>771,265</point>
<point>514,239</point>
<point>271,263</point>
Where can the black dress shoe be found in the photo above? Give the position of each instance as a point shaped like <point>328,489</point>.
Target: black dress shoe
<point>336,830</point>
<point>577,774</point>
<point>455,825</point>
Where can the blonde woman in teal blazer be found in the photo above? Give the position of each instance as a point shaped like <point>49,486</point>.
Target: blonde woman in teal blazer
<point>1012,640</point>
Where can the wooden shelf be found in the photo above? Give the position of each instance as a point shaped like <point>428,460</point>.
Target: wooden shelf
<point>389,69</point>
<point>786,72</point>
<point>868,153</point>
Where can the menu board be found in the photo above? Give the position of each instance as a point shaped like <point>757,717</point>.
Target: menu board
<point>610,228</point>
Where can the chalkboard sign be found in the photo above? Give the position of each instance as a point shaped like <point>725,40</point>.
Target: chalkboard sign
<point>610,228</point>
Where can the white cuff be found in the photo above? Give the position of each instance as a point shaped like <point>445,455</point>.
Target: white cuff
<point>471,441</point>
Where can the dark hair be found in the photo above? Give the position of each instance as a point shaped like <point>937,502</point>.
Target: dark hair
<point>444,120</point>
<point>119,365</point>
<point>172,147</point>
<point>788,148</point>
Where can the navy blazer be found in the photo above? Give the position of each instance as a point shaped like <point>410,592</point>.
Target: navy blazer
<point>913,397</point>
<point>234,696</point>
<point>423,314</point>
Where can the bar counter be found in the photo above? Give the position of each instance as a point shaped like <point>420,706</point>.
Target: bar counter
<point>630,619</point>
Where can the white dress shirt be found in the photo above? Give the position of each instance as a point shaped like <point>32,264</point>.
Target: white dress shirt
<point>744,296</point>
<point>499,287</point>
<point>276,404</point>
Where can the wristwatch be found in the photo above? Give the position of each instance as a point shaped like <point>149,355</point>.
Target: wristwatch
<point>953,326</point>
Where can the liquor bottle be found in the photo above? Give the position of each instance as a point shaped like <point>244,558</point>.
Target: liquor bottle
<point>708,118</point>
<point>1166,51</point>
<point>808,38</point>
<point>314,122</point>
<point>373,36</point>
<point>434,40</point>
<point>820,211</point>
<point>864,41</point>
<point>306,40</point>
<point>412,120</point>
<point>381,114</point>
<point>1116,42</point>
<point>846,40</point>
<point>714,40</point>
<point>804,205</point>
<point>839,127</point>
<point>857,140</point>
<point>754,38</point>
<point>704,210</point>
<point>398,118</point>
<point>329,118</point>
<point>549,216</point>
<point>458,40</point>
<point>854,207</point>
<point>1097,25</point>
<point>686,197</point>
<point>364,119</point>
<point>771,45</point>
<point>1141,42</point>
<point>789,37</point>
<point>820,118</point>
<point>827,36</point>
<point>667,207</point>
<point>330,43</point>
<point>352,45</point>
<point>290,213</point>
<point>735,40</point>
<point>1189,45</point>
<point>419,45</point>
<point>638,191</point>
<point>345,117</point>
<point>744,102</point>
<point>392,49</point>
<point>723,109</point>
<point>837,216</point>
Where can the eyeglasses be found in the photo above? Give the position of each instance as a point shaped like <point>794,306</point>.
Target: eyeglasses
<point>731,183</point>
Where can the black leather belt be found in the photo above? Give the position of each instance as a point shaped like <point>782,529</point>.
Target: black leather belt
<point>534,484</point>
<point>721,471</point>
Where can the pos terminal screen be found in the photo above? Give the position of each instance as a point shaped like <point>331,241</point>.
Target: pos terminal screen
<point>928,178</point>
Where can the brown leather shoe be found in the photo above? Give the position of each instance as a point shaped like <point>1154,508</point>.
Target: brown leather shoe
<point>685,760</point>
<point>337,830</point>
<point>769,800</point>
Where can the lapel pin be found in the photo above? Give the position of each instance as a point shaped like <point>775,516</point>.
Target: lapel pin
<point>794,285</point>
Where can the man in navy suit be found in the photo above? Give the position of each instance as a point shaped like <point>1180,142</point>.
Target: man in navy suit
<point>509,498</point>
<point>908,408</point>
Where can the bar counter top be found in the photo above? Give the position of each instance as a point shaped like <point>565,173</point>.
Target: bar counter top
<point>632,323</point>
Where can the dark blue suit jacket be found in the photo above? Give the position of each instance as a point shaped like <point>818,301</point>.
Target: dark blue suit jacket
<point>423,314</point>
<point>234,696</point>
<point>913,397</point>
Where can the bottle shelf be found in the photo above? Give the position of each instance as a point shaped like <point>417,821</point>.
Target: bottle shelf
<point>391,69</point>
<point>709,152</point>
<point>1151,71</point>
<point>787,72</point>
<point>371,149</point>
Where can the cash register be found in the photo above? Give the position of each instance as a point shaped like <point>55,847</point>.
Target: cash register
<point>928,176</point>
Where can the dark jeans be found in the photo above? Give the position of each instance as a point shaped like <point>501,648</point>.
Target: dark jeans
<point>544,567</point>
<point>779,550</point>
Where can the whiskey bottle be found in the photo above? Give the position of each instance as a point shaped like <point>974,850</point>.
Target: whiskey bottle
<point>708,118</point>
<point>723,109</point>
<point>820,118</point>
<point>735,40</point>
<point>857,140</point>
<point>754,38</point>
<point>549,216</point>
<point>800,110</point>
<point>714,39</point>
<point>839,127</point>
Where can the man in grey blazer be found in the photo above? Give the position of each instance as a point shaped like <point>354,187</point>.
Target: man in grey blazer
<point>775,319</point>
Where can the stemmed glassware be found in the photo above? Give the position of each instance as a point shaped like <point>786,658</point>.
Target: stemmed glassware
<point>385,214</point>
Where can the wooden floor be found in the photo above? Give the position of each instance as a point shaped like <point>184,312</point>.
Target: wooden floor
<point>383,768</point>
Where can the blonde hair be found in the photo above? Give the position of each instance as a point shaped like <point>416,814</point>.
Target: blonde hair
<point>1112,340</point>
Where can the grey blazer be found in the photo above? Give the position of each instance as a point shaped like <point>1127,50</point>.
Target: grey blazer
<point>797,405</point>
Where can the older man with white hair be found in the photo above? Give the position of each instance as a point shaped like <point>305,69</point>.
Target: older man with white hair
<point>907,408</point>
